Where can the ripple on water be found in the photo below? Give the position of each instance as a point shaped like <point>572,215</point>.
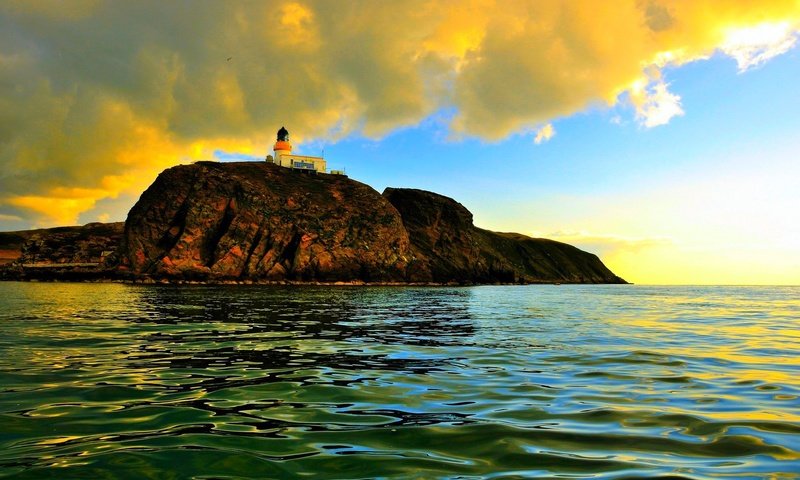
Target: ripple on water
<point>272,382</point>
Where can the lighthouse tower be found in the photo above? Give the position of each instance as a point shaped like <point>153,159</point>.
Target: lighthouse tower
<point>282,148</point>
<point>285,158</point>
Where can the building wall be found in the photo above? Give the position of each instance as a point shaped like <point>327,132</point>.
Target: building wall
<point>287,160</point>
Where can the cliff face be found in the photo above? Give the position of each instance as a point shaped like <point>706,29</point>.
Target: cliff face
<point>69,253</point>
<point>87,244</point>
<point>258,221</point>
<point>448,247</point>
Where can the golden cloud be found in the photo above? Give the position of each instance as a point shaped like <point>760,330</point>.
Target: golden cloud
<point>98,96</point>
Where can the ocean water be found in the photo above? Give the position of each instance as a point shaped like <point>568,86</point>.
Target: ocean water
<point>123,381</point>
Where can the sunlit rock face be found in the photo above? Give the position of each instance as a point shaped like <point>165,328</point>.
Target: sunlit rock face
<point>448,247</point>
<point>256,221</point>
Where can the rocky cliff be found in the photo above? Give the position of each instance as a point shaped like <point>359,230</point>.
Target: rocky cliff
<point>249,220</point>
<point>448,247</point>
<point>253,221</point>
<point>256,221</point>
<point>74,253</point>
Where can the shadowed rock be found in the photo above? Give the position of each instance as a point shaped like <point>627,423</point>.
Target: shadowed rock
<point>450,248</point>
<point>64,253</point>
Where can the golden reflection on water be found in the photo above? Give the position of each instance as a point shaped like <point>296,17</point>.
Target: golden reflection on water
<point>586,378</point>
<point>776,347</point>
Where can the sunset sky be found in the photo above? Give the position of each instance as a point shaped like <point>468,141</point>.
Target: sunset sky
<point>661,135</point>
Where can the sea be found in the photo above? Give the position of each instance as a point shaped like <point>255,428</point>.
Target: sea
<point>116,381</point>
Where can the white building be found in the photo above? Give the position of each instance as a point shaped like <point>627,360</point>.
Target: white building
<point>283,156</point>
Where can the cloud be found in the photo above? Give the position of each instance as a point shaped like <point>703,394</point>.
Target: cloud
<point>655,105</point>
<point>96,97</point>
<point>752,46</point>
<point>544,134</point>
<point>607,244</point>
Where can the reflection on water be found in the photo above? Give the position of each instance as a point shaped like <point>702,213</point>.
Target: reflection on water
<point>206,382</point>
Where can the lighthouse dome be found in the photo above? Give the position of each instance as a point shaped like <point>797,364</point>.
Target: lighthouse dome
<point>283,134</point>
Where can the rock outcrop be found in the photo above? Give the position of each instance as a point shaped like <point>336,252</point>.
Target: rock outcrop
<point>89,244</point>
<point>449,247</point>
<point>247,220</point>
<point>74,253</point>
<point>256,221</point>
<point>252,221</point>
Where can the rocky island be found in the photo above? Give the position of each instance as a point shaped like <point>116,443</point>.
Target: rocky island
<point>258,222</point>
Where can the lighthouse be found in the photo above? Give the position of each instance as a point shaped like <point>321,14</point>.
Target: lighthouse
<point>282,147</point>
<point>284,158</point>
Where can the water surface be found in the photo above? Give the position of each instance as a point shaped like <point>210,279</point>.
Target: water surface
<point>122,381</point>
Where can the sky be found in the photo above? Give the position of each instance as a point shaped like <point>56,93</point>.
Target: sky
<point>660,135</point>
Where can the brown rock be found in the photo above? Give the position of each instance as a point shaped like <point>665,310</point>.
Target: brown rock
<point>61,253</point>
<point>87,244</point>
<point>449,248</point>
<point>259,221</point>
<point>252,222</point>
